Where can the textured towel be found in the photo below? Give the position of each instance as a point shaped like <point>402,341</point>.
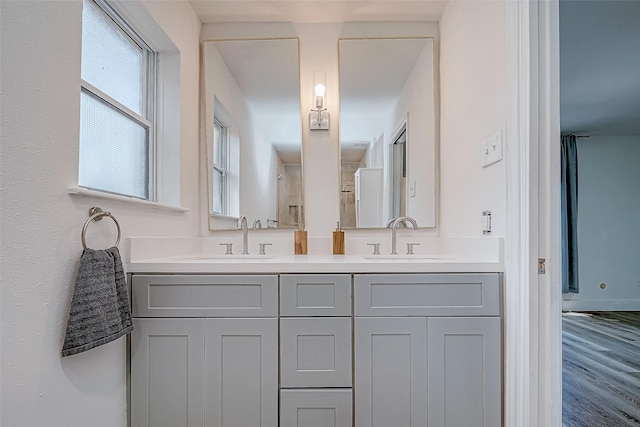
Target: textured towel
<point>100,310</point>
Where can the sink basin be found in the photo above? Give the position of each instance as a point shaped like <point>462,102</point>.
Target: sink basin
<point>233,258</point>
<point>401,257</point>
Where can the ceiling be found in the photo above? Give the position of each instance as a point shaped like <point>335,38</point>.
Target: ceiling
<point>600,67</point>
<point>212,11</point>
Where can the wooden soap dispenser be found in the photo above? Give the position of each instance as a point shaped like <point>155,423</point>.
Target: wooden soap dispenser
<point>338,240</point>
<point>300,241</point>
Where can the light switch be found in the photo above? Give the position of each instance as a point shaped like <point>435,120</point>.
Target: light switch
<point>492,149</point>
<point>412,188</point>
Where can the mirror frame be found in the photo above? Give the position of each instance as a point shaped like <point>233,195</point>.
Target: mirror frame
<point>206,133</point>
<point>405,121</point>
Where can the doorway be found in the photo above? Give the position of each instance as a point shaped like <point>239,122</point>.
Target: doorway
<point>599,103</point>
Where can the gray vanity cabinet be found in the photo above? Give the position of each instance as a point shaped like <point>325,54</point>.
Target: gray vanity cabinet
<point>416,350</point>
<point>204,370</point>
<point>427,350</point>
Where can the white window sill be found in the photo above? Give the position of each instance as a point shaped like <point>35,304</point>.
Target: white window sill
<point>83,192</point>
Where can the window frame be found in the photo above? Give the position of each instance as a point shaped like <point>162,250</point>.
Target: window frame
<point>150,96</point>
<point>223,165</point>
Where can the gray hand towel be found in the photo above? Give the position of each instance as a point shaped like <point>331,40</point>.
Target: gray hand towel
<point>100,310</point>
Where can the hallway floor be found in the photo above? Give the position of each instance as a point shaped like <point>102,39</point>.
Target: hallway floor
<point>601,369</point>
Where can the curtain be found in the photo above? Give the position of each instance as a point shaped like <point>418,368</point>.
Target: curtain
<point>569,214</point>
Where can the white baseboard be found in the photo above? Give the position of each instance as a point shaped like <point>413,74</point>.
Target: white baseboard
<point>601,305</point>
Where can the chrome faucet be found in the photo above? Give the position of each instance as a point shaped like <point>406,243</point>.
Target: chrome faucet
<point>257,224</point>
<point>394,228</point>
<point>245,235</point>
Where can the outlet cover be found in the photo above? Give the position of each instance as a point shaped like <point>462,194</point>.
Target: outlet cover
<point>492,149</point>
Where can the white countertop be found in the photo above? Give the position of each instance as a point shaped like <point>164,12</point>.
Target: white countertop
<point>314,264</point>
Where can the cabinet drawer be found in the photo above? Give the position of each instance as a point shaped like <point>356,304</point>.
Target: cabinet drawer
<point>427,294</point>
<point>317,408</point>
<point>204,295</point>
<point>315,295</point>
<point>315,352</point>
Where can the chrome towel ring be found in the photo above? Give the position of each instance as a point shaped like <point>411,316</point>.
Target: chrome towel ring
<point>96,214</point>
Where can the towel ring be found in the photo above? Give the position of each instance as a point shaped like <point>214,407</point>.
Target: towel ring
<point>96,214</point>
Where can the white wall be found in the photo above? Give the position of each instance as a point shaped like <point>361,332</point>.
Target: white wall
<point>608,224</point>
<point>258,176</point>
<point>473,85</point>
<point>41,223</point>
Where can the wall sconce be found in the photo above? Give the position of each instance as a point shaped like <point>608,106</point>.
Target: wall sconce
<point>319,116</point>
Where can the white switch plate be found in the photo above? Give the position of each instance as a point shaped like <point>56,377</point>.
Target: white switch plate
<point>412,188</point>
<point>492,149</point>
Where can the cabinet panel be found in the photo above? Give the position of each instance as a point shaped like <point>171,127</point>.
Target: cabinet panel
<point>241,371</point>
<point>464,372</point>
<point>315,408</point>
<point>167,359</point>
<point>315,295</point>
<point>390,372</point>
<point>205,295</point>
<point>315,352</point>
<point>426,295</point>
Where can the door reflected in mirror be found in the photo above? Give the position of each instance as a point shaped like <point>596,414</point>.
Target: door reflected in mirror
<point>253,133</point>
<point>387,131</point>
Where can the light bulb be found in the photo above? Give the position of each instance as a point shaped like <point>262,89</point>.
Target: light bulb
<point>319,89</point>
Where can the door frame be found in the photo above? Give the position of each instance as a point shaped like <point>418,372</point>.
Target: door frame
<point>532,301</point>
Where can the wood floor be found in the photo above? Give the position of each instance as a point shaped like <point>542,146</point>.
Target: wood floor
<point>601,369</point>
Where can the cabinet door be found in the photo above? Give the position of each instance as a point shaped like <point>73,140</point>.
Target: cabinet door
<point>167,366</point>
<point>391,372</point>
<point>241,371</point>
<point>464,372</point>
<point>315,408</point>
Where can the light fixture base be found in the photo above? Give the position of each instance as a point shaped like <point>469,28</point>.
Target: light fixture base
<point>319,120</point>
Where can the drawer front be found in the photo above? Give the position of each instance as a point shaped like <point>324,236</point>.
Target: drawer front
<point>315,408</point>
<point>315,352</point>
<point>315,295</point>
<point>204,296</point>
<point>427,294</point>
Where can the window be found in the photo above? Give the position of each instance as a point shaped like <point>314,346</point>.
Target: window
<point>220,167</point>
<point>117,106</point>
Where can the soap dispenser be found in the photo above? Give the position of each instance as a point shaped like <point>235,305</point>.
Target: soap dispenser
<point>338,240</point>
<point>300,241</point>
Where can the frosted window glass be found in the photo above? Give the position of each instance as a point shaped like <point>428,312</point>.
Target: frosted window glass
<point>217,146</point>
<point>113,150</point>
<point>111,61</point>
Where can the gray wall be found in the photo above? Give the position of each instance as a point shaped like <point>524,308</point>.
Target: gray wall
<point>608,224</point>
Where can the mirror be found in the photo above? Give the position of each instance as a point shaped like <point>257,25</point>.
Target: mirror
<point>387,131</point>
<point>253,133</point>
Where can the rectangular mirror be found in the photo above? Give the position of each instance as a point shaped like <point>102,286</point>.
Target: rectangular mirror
<point>387,131</point>
<point>253,133</point>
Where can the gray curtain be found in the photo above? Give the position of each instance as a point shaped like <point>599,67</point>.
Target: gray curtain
<point>569,214</point>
